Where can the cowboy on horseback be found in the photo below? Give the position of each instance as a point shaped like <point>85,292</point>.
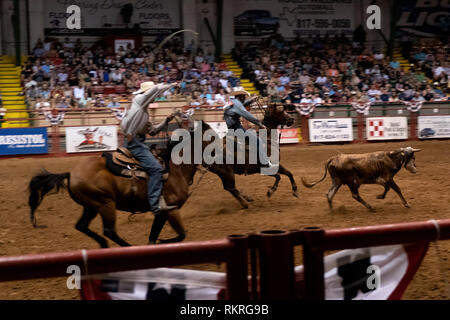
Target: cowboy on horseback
<point>239,107</point>
<point>135,125</point>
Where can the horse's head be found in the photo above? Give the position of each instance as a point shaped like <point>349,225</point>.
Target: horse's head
<point>275,116</point>
<point>185,119</point>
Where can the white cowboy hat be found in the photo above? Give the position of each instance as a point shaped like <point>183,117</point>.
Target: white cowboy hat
<point>145,86</point>
<point>87,131</point>
<point>240,92</point>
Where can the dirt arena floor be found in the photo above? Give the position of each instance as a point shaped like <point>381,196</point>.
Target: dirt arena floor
<point>212,213</point>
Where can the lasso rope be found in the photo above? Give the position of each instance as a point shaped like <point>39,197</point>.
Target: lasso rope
<point>173,35</point>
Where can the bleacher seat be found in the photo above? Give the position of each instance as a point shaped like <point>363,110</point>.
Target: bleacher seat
<point>120,89</point>
<point>98,89</point>
<point>109,90</point>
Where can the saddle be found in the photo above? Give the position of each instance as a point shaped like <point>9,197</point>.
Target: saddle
<point>123,163</point>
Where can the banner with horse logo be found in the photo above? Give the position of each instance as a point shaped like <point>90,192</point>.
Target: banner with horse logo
<point>91,139</point>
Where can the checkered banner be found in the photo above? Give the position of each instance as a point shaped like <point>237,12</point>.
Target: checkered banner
<point>387,128</point>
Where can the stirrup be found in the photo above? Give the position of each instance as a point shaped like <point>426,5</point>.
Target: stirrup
<point>163,205</point>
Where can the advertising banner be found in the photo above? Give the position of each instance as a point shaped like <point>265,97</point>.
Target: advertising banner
<point>23,141</point>
<point>434,127</point>
<point>291,135</point>
<point>99,17</point>
<point>91,139</point>
<point>387,128</point>
<point>304,18</point>
<point>330,130</point>
<point>424,18</point>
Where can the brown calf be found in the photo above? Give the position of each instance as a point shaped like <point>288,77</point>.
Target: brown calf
<point>370,168</point>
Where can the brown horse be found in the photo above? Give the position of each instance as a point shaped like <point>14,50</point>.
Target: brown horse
<point>273,118</point>
<point>97,190</point>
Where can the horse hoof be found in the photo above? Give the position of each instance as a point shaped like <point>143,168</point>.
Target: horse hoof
<point>295,194</point>
<point>173,240</point>
<point>380,196</point>
<point>407,205</point>
<point>372,210</point>
<point>270,193</point>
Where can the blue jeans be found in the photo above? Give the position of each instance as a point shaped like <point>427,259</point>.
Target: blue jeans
<point>148,161</point>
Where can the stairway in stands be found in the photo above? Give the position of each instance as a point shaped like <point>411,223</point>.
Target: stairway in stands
<point>404,63</point>
<point>397,56</point>
<point>10,87</point>
<point>237,71</point>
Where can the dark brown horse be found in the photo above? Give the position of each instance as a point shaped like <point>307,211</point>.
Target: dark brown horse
<point>98,191</point>
<point>273,118</point>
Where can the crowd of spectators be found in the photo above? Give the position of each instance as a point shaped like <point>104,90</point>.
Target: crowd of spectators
<point>337,70</point>
<point>69,74</point>
<point>322,70</point>
<point>433,58</point>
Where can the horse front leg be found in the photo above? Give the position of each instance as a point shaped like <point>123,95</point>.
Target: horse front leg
<point>175,222</point>
<point>229,183</point>
<point>275,185</point>
<point>158,224</point>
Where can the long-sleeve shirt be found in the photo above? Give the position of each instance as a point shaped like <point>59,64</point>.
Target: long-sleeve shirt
<point>136,119</point>
<point>234,112</point>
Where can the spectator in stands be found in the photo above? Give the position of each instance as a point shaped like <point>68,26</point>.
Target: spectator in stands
<point>62,75</point>
<point>45,91</point>
<point>114,103</point>
<point>78,92</point>
<point>42,104</point>
<point>62,104</point>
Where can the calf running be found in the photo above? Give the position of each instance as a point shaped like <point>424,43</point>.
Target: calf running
<point>369,168</point>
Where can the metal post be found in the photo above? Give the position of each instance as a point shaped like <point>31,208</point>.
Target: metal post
<point>55,139</point>
<point>413,125</point>
<point>16,26</point>
<point>219,36</point>
<point>360,127</point>
<point>253,244</point>
<point>27,10</point>
<point>237,268</point>
<point>277,277</point>
<point>305,128</point>
<point>393,29</point>
<point>313,263</point>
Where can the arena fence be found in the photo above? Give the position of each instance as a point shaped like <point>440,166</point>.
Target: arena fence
<point>322,124</point>
<point>269,254</point>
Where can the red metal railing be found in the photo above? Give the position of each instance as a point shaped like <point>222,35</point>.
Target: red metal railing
<point>232,251</point>
<point>274,249</point>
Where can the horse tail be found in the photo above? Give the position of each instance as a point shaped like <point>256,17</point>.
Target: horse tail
<point>40,185</point>
<point>310,185</point>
